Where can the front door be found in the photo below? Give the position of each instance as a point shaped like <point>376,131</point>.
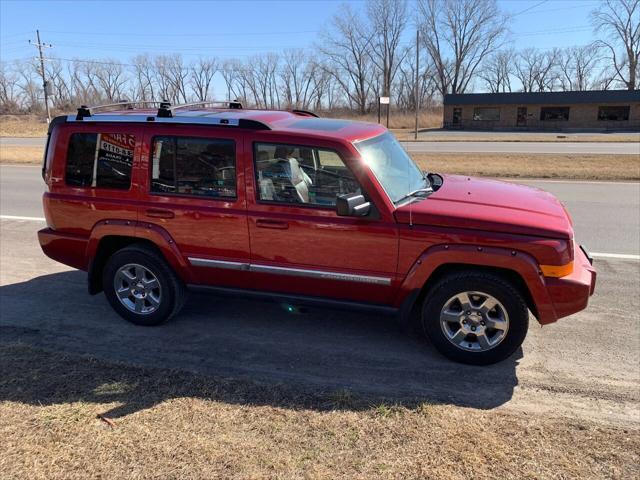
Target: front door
<point>298,242</point>
<point>457,116</point>
<point>196,193</point>
<point>522,117</point>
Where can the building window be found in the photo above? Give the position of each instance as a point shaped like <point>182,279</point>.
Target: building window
<point>194,166</point>
<point>486,114</point>
<point>100,160</point>
<point>615,114</point>
<point>554,114</point>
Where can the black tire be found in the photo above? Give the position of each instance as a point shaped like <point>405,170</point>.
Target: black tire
<point>494,285</point>
<point>173,291</point>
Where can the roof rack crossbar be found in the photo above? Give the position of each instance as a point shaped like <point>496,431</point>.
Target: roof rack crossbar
<point>85,111</point>
<point>167,111</point>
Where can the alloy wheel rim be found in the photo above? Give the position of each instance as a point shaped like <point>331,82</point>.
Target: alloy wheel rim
<point>137,289</point>
<point>474,321</point>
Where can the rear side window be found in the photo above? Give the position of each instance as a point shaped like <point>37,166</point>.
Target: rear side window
<point>100,160</point>
<point>194,166</point>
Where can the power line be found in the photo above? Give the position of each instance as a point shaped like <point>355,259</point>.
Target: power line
<point>530,8</point>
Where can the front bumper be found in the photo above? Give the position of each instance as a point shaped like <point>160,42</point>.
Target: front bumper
<point>571,294</point>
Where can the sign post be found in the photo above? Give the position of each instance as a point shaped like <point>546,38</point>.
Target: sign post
<point>383,101</point>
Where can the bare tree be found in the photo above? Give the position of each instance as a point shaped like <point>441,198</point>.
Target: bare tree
<point>346,47</point>
<point>111,79</point>
<point>143,70</point>
<point>619,20</point>
<point>577,66</point>
<point>497,70</point>
<point>388,19</point>
<point>202,74</point>
<point>458,35</point>
<point>9,90</point>
<point>536,69</point>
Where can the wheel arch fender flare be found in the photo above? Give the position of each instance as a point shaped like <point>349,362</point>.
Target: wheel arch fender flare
<point>437,258</point>
<point>132,232</point>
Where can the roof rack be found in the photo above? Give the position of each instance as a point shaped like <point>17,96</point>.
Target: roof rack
<point>166,110</point>
<point>84,111</point>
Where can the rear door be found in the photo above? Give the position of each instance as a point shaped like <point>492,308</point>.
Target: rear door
<point>195,190</point>
<point>298,242</point>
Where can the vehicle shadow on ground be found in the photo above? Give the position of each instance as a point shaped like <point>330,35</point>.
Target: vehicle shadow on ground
<point>233,350</point>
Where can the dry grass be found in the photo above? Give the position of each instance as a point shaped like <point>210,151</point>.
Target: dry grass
<point>20,155</point>
<point>397,120</point>
<point>22,126</point>
<point>438,136</point>
<point>178,425</point>
<point>574,166</point>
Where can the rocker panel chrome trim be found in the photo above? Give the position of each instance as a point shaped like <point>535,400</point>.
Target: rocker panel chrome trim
<point>297,272</point>
<point>204,262</point>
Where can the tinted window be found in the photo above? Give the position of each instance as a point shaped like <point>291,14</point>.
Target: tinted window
<point>554,113</point>
<point>101,160</point>
<point>194,166</point>
<point>301,175</point>
<point>613,113</point>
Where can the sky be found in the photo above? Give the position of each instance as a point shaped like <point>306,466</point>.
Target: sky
<point>120,30</point>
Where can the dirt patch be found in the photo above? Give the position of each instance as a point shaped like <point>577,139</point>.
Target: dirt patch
<point>567,166</point>
<point>74,417</point>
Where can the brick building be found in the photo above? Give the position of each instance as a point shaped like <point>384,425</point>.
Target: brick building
<point>559,111</point>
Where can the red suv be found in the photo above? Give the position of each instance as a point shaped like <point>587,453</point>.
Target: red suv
<point>287,205</point>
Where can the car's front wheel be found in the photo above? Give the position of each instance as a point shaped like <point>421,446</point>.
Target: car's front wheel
<point>141,287</point>
<point>474,317</point>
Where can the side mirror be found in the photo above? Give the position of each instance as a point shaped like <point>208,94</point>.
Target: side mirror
<point>352,205</point>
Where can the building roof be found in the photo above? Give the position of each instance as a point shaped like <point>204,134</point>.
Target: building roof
<point>544,98</point>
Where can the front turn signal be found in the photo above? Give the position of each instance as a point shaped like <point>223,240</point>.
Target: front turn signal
<point>557,271</point>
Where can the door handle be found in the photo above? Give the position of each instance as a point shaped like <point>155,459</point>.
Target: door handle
<point>159,213</point>
<point>263,223</point>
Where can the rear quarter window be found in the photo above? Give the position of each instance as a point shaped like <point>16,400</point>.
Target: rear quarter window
<point>100,160</point>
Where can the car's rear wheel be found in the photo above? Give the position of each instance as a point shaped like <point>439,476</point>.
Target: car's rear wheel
<point>141,287</point>
<point>475,318</point>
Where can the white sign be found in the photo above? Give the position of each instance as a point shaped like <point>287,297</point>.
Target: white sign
<point>384,100</point>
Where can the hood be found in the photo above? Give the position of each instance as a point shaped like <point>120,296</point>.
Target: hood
<point>484,204</point>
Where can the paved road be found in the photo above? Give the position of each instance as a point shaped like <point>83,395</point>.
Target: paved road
<point>605,214</point>
<point>585,366</point>
<point>620,148</point>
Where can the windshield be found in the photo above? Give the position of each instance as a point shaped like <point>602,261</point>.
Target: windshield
<point>393,168</point>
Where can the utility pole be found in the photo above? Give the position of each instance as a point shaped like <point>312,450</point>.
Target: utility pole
<point>45,85</point>
<point>416,90</point>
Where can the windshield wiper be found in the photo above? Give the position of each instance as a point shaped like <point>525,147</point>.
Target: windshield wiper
<point>419,192</point>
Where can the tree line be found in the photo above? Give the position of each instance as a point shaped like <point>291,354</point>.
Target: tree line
<point>362,54</point>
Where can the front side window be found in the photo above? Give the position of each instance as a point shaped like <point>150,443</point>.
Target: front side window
<point>100,160</point>
<point>615,114</point>
<point>394,169</point>
<point>194,166</point>
<point>301,175</point>
<point>486,114</point>
<point>554,114</point>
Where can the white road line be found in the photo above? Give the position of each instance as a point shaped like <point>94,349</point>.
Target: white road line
<point>15,217</point>
<point>624,256</point>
